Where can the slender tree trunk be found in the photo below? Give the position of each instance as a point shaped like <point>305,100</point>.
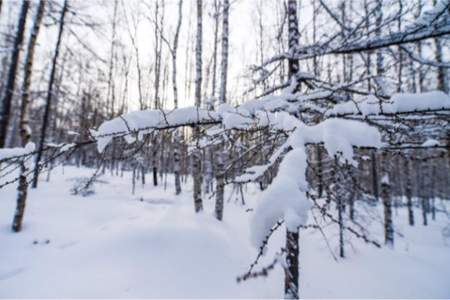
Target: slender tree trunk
<point>423,202</point>
<point>49,96</point>
<point>432,188</point>
<point>400,52</point>
<point>143,175</point>
<point>369,53</point>
<point>419,50</point>
<point>408,191</point>
<point>340,206</point>
<point>176,139</point>
<point>339,192</point>
<point>380,56</point>
<point>224,63</point>
<point>157,56</point>
<point>177,161</point>
<point>374,175</point>
<point>216,35</point>
<point>196,165</point>
<point>220,175</point>
<point>11,81</point>
<point>155,172</point>
<point>25,131</point>
<point>387,202</point>
<point>319,171</point>
<point>110,100</point>
<point>133,179</point>
<point>442,79</point>
<point>317,74</point>
<point>220,184</point>
<point>291,271</point>
<point>291,276</point>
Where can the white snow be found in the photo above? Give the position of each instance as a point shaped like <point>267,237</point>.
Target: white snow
<point>67,147</point>
<point>285,198</point>
<point>7,153</point>
<point>112,245</point>
<point>430,143</point>
<point>339,136</point>
<point>398,103</point>
<point>147,120</point>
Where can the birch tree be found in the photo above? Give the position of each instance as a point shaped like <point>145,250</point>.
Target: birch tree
<point>291,276</point>
<point>220,160</point>
<point>13,67</point>
<point>196,155</point>
<point>25,130</point>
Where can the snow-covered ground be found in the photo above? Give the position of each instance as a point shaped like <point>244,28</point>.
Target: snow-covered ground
<point>112,244</point>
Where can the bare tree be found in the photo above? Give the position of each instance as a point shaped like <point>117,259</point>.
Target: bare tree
<point>196,155</point>
<point>442,77</point>
<point>220,175</point>
<point>13,66</point>
<point>24,120</point>
<point>291,270</point>
<point>49,97</point>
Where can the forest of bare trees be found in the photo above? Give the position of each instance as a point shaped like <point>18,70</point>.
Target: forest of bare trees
<point>336,111</point>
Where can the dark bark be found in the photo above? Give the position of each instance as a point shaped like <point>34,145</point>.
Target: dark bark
<point>408,192</point>
<point>155,176</point>
<point>319,171</point>
<point>48,103</point>
<point>291,276</point>
<point>22,190</point>
<point>25,131</point>
<point>387,202</point>
<point>374,175</point>
<point>220,185</point>
<point>291,272</point>
<point>196,156</point>
<point>11,81</point>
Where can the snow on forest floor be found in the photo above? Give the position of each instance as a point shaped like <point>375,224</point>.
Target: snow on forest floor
<point>111,244</point>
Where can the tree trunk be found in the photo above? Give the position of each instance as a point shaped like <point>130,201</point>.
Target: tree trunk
<point>423,202</point>
<point>380,56</point>
<point>419,50</point>
<point>214,62</point>
<point>177,167</point>
<point>220,184</point>
<point>143,175</point>
<point>374,175</point>
<point>133,179</point>
<point>291,272</point>
<point>408,192</point>
<point>224,62</point>
<point>176,140</point>
<point>340,206</point>
<point>11,82</point>
<point>197,166</point>
<point>387,202</point>
<point>399,50</point>
<point>110,98</point>
<point>319,171</point>
<point>49,96</point>
<point>369,53</point>
<point>25,131</point>
<point>291,276</point>
<point>220,176</point>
